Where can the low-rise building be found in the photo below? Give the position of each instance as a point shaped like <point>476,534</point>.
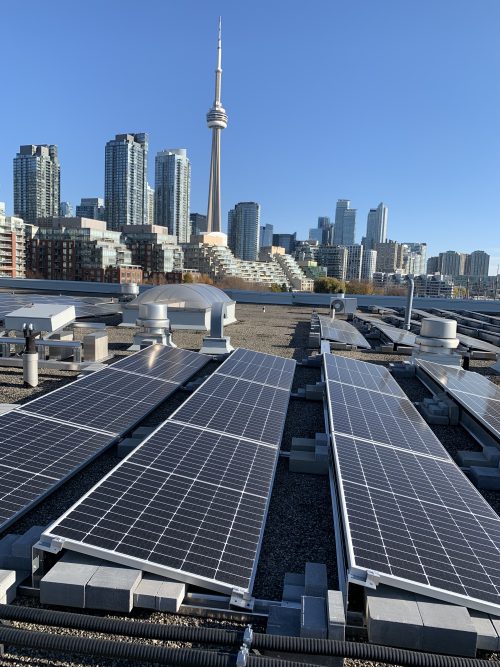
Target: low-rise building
<point>12,246</point>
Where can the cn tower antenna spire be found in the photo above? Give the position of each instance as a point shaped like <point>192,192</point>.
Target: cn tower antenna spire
<point>216,121</point>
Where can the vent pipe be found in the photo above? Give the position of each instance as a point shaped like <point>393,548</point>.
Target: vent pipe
<point>409,303</point>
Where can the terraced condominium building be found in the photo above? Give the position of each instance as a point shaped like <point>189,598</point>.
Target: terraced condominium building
<point>172,192</point>
<point>125,180</point>
<point>37,175</point>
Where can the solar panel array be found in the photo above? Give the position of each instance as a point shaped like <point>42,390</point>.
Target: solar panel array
<point>473,391</point>
<point>46,441</point>
<point>84,306</point>
<point>395,335</point>
<point>191,501</point>
<point>411,518</point>
<point>341,332</point>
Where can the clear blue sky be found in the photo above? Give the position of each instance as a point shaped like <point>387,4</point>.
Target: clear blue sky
<point>368,100</point>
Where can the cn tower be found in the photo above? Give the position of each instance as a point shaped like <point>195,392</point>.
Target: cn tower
<point>216,121</point>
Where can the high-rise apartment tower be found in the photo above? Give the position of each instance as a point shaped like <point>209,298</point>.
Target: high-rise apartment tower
<point>125,180</point>
<point>345,223</point>
<point>243,227</point>
<point>376,226</point>
<point>172,192</point>
<point>37,177</point>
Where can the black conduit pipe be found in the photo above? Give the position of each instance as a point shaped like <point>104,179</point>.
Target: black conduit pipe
<point>234,638</point>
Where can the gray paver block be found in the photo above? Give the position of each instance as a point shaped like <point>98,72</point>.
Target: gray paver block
<point>294,579</point>
<point>393,618</point>
<point>465,459</point>
<point>292,593</point>
<point>303,444</point>
<point>313,621</point>
<point>21,548</point>
<point>322,439</point>
<point>307,462</point>
<point>316,580</point>
<point>336,615</point>
<point>6,548</point>
<point>283,621</point>
<point>143,431</point>
<point>65,583</point>
<point>447,628</point>
<point>127,445</point>
<point>487,636</point>
<point>146,592</point>
<point>112,588</point>
<point>485,478</point>
<point>170,596</point>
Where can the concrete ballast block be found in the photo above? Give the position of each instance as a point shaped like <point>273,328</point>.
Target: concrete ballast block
<point>313,622</point>
<point>393,618</point>
<point>112,588</point>
<point>447,628</point>
<point>294,579</point>
<point>487,635</point>
<point>170,596</point>
<point>284,621</point>
<point>316,580</point>
<point>64,584</point>
<point>336,615</point>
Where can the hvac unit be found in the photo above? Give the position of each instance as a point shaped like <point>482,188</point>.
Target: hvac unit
<point>339,305</point>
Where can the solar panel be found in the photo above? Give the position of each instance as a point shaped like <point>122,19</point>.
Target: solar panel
<point>84,306</point>
<point>36,456</point>
<point>473,391</point>
<point>237,407</point>
<point>259,367</point>
<point>342,332</point>
<point>103,400</point>
<point>411,518</point>
<point>395,335</point>
<point>47,440</point>
<point>186,502</point>
<point>360,374</point>
<point>417,522</point>
<point>162,363</point>
<point>191,501</point>
<point>107,401</point>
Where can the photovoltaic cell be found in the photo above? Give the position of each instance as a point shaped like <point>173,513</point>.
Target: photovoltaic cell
<point>342,332</point>
<point>259,367</point>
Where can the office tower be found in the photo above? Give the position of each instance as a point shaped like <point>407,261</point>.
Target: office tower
<point>326,227</point>
<point>198,223</point>
<point>368,264</point>
<point>354,261</point>
<point>172,192</point>
<point>92,208</point>
<point>125,180</point>
<point>334,258</point>
<point>287,241</point>
<point>432,265</point>
<point>243,227</point>
<point>66,209</point>
<point>216,121</point>
<point>316,234</point>
<point>415,258</point>
<point>479,263</point>
<point>266,236</point>
<point>451,263</point>
<point>345,223</point>
<point>13,245</point>
<point>376,226</point>
<point>151,204</point>
<point>37,177</point>
<point>389,256</point>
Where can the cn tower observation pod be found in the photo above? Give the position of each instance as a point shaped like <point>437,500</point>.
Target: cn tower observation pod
<point>189,305</point>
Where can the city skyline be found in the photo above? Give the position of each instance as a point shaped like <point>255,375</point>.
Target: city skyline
<point>456,177</point>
